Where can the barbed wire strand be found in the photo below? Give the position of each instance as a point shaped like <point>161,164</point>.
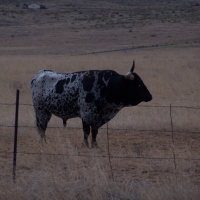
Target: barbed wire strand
<point>145,106</point>
<point>102,156</point>
<point>115,129</point>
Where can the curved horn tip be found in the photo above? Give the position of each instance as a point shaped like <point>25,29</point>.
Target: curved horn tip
<point>133,66</point>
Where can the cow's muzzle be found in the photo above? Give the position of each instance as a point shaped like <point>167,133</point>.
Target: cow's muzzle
<point>149,98</point>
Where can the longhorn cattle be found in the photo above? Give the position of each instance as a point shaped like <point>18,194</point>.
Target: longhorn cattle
<point>95,96</point>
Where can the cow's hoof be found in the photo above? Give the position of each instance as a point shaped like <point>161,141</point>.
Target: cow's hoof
<point>94,145</point>
<point>43,140</point>
<point>85,143</point>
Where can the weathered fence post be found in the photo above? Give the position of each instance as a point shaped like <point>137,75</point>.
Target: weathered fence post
<point>173,147</point>
<point>15,135</point>
<point>109,155</point>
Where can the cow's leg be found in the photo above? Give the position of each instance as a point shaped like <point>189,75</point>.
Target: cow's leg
<point>94,135</point>
<point>86,130</point>
<point>64,122</point>
<point>42,118</point>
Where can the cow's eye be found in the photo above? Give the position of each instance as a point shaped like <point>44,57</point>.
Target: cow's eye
<point>140,86</point>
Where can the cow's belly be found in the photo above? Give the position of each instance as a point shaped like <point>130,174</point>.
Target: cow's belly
<point>66,114</point>
<point>64,110</point>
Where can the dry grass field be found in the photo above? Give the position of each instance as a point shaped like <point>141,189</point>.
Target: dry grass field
<point>146,152</point>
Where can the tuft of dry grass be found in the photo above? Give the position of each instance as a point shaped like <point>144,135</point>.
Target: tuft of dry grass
<point>71,177</point>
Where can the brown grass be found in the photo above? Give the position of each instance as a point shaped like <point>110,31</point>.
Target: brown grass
<point>71,173</point>
<point>42,176</point>
<point>166,49</point>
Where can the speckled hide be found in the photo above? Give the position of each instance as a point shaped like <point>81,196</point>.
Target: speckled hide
<point>95,96</point>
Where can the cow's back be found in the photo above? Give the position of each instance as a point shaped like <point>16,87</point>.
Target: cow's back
<point>42,83</point>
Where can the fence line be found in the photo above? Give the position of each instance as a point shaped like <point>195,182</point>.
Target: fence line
<point>145,106</point>
<point>116,129</point>
<point>104,156</point>
<point>109,156</point>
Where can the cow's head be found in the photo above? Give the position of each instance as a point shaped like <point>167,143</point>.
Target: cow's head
<point>136,90</point>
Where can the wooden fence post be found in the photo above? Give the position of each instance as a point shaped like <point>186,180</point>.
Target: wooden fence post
<point>15,135</point>
<point>173,144</point>
<point>109,155</point>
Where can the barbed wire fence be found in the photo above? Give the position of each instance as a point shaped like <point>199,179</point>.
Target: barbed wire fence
<point>107,128</point>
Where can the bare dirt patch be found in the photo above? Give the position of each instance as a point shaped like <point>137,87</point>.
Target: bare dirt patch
<point>74,28</point>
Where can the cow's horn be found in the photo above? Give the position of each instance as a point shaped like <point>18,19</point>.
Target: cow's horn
<point>129,76</point>
<point>133,66</point>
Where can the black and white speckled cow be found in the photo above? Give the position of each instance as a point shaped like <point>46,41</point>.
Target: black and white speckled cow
<point>95,96</point>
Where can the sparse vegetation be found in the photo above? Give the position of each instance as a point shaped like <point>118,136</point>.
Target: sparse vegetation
<point>163,38</point>
<point>117,13</point>
<point>70,173</point>
<point>70,177</point>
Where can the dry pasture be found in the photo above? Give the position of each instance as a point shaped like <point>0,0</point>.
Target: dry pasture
<point>145,152</point>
